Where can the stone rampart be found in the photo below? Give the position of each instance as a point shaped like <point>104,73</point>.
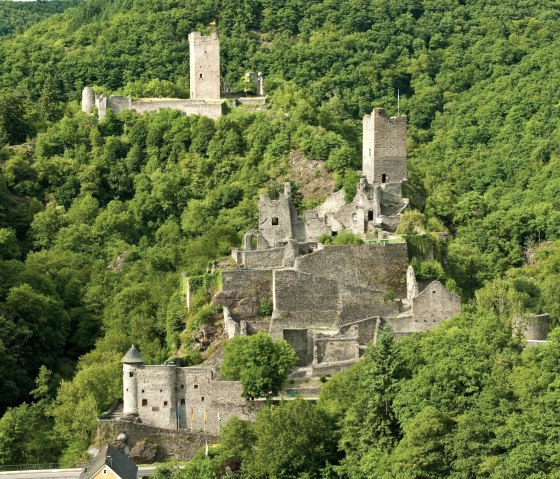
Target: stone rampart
<point>243,291</point>
<point>211,108</point>
<point>262,259</point>
<point>181,444</point>
<point>380,267</point>
<point>252,100</point>
<point>303,301</point>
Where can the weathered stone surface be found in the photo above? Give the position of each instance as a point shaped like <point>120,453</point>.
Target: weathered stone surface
<point>380,267</point>
<point>143,452</point>
<point>181,444</point>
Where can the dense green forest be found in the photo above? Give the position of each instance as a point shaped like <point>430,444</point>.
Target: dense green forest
<point>98,220</point>
<point>15,17</point>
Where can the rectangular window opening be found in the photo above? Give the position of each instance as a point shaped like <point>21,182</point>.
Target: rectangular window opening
<point>182,386</point>
<point>183,401</point>
<point>275,221</point>
<point>144,402</point>
<point>130,374</point>
<point>370,215</point>
<point>195,386</point>
<point>383,178</point>
<point>165,403</point>
<point>202,399</point>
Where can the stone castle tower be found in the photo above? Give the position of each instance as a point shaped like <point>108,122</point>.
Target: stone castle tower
<point>204,66</point>
<point>132,361</point>
<point>384,153</point>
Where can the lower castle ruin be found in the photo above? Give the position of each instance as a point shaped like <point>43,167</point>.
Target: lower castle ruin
<point>328,302</point>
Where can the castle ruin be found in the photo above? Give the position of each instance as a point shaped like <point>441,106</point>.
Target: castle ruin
<point>171,397</point>
<point>205,92</point>
<point>328,302</point>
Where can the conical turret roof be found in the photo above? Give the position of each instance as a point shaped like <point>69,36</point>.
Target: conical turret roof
<point>132,356</point>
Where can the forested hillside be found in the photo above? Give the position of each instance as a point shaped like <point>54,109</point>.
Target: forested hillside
<point>98,219</point>
<point>15,17</point>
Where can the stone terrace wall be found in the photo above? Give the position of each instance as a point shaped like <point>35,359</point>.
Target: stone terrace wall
<point>181,443</point>
<point>380,267</point>
<point>268,258</point>
<point>243,291</point>
<point>190,107</point>
<point>305,301</point>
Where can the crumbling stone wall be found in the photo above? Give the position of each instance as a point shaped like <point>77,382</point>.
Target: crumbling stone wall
<point>435,304</point>
<point>278,219</point>
<point>380,267</point>
<point>243,291</point>
<point>181,444</point>
<point>305,301</point>
<point>268,258</point>
<point>533,327</point>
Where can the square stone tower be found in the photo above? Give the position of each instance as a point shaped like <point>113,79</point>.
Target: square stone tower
<point>384,154</point>
<point>204,66</point>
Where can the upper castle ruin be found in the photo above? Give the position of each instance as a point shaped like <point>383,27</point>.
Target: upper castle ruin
<point>205,91</point>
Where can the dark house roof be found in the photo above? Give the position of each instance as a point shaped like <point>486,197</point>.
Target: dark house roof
<point>110,456</point>
<point>132,356</point>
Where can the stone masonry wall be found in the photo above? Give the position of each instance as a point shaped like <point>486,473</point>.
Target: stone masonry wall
<point>206,108</point>
<point>435,304</point>
<point>157,396</point>
<point>204,66</point>
<point>243,291</point>
<point>384,147</point>
<point>380,267</point>
<point>181,444</point>
<point>304,301</point>
<point>267,258</point>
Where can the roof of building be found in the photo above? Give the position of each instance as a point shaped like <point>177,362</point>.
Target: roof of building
<point>110,456</point>
<point>132,356</point>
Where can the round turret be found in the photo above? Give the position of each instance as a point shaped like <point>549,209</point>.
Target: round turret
<point>132,361</point>
<point>88,100</point>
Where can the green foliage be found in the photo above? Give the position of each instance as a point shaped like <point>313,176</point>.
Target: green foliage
<point>261,364</point>
<point>344,237</point>
<point>303,437</point>
<point>97,219</point>
<point>16,17</point>
<point>265,308</point>
<point>428,270</point>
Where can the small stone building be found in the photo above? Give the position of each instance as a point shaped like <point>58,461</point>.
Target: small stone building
<point>110,463</point>
<point>172,397</point>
